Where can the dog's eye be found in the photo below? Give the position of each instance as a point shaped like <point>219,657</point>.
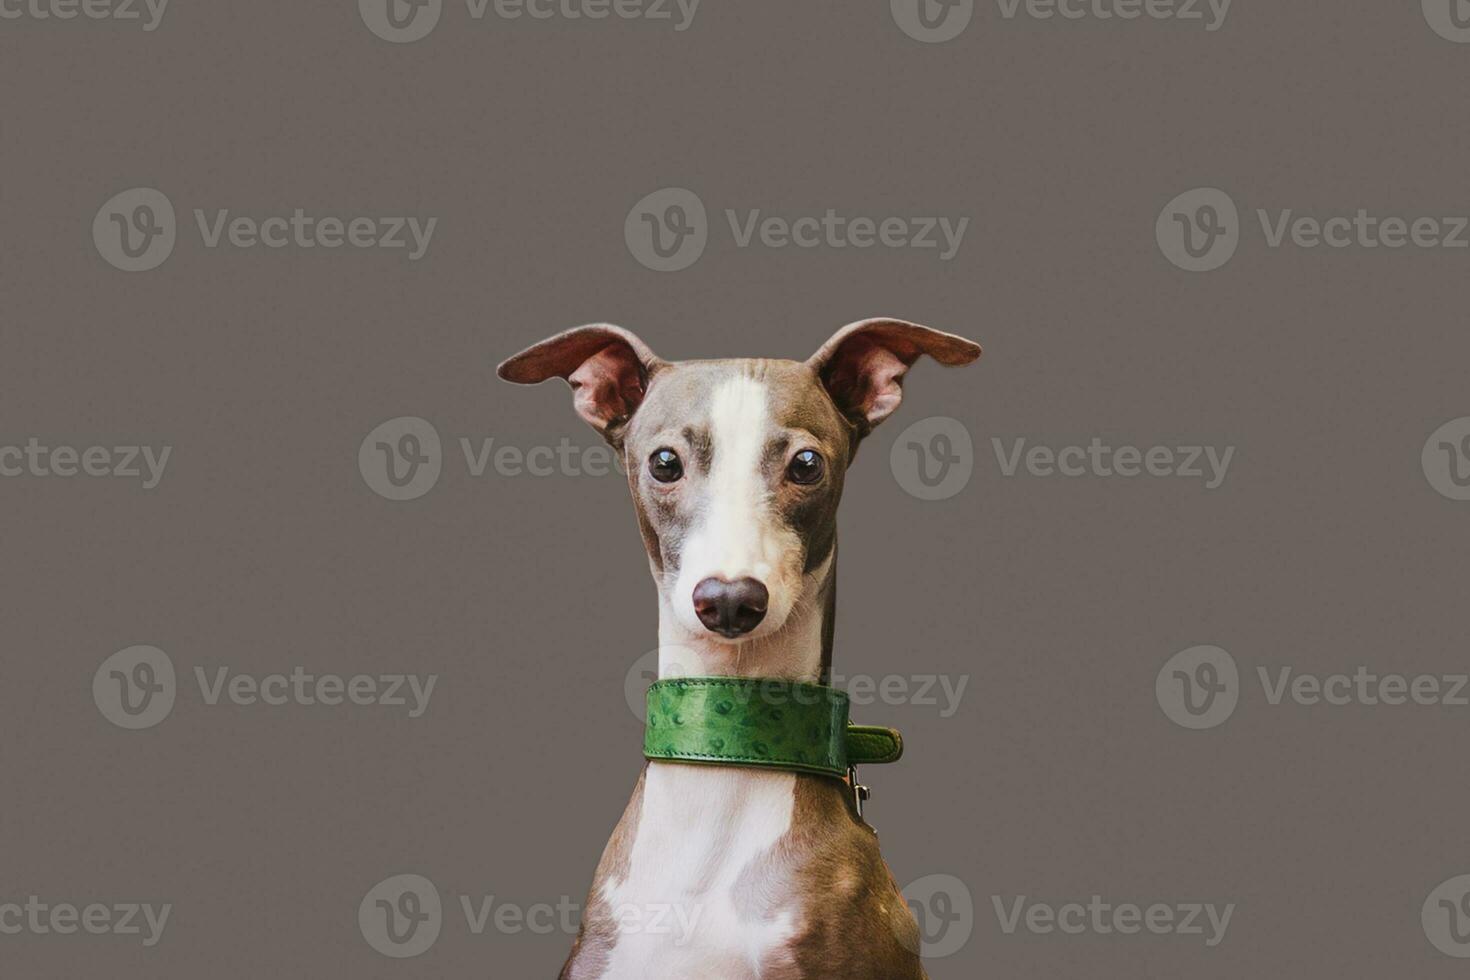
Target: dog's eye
<point>664,466</point>
<point>806,467</point>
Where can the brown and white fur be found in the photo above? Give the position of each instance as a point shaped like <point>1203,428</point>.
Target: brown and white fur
<point>736,469</point>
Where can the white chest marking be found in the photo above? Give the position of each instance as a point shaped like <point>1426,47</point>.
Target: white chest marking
<point>701,828</point>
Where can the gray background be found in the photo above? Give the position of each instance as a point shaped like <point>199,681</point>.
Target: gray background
<point>1058,778</point>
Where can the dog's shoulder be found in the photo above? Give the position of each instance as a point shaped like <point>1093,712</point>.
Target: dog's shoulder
<point>855,923</point>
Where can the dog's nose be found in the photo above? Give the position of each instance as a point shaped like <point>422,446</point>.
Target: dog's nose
<point>730,608</point>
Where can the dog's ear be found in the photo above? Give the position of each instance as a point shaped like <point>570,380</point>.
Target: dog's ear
<point>863,365</point>
<point>608,368</point>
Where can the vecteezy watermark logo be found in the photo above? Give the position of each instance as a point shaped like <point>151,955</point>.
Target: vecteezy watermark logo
<point>119,10</point>
<point>944,911</point>
<point>1363,687</point>
<point>1199,687</point>
<point>1446,459</point>
<point>1208,464</point>
<point>941,691</point>
<point>933,459</point>
<point>1199,230</point>
<point>645,671</point>
<point>402,21</point>
<point>1211,13</point>
<point>667,230</point>
<point>1446,917</point>
<point>1102,918</point>
<point>35,459</point>
<point>401,916</point>
<point>135,688</point>
<point>932,21</point>
<point>935,21</point>
<point>401,459</point>
<point>1450,19</point>
<point>39,918</point>
<point>135,230</point>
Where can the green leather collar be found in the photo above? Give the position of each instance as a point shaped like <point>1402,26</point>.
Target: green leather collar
<point>761,722</point>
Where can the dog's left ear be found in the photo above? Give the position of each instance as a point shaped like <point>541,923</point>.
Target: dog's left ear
<point>863,365</point>
<point>608,368</point>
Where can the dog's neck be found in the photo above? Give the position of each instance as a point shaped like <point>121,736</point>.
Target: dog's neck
<point>800,651</point>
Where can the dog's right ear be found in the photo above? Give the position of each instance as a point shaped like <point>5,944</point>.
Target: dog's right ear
<point>608,368</point>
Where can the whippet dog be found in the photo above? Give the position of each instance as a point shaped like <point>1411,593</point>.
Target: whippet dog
<point>736,467</point>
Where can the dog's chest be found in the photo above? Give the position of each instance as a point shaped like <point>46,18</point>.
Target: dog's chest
<point>704,894</point>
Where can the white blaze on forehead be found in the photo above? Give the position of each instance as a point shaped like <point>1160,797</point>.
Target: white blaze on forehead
<point>733,531</point>
<point>738,533</point>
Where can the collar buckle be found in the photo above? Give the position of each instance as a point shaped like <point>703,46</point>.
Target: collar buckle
<point>860,793</point>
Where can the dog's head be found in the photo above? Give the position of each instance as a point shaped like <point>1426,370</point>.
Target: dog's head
<point>736,466</point>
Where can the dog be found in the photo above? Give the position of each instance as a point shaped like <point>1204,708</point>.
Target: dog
<point>736,468</point>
